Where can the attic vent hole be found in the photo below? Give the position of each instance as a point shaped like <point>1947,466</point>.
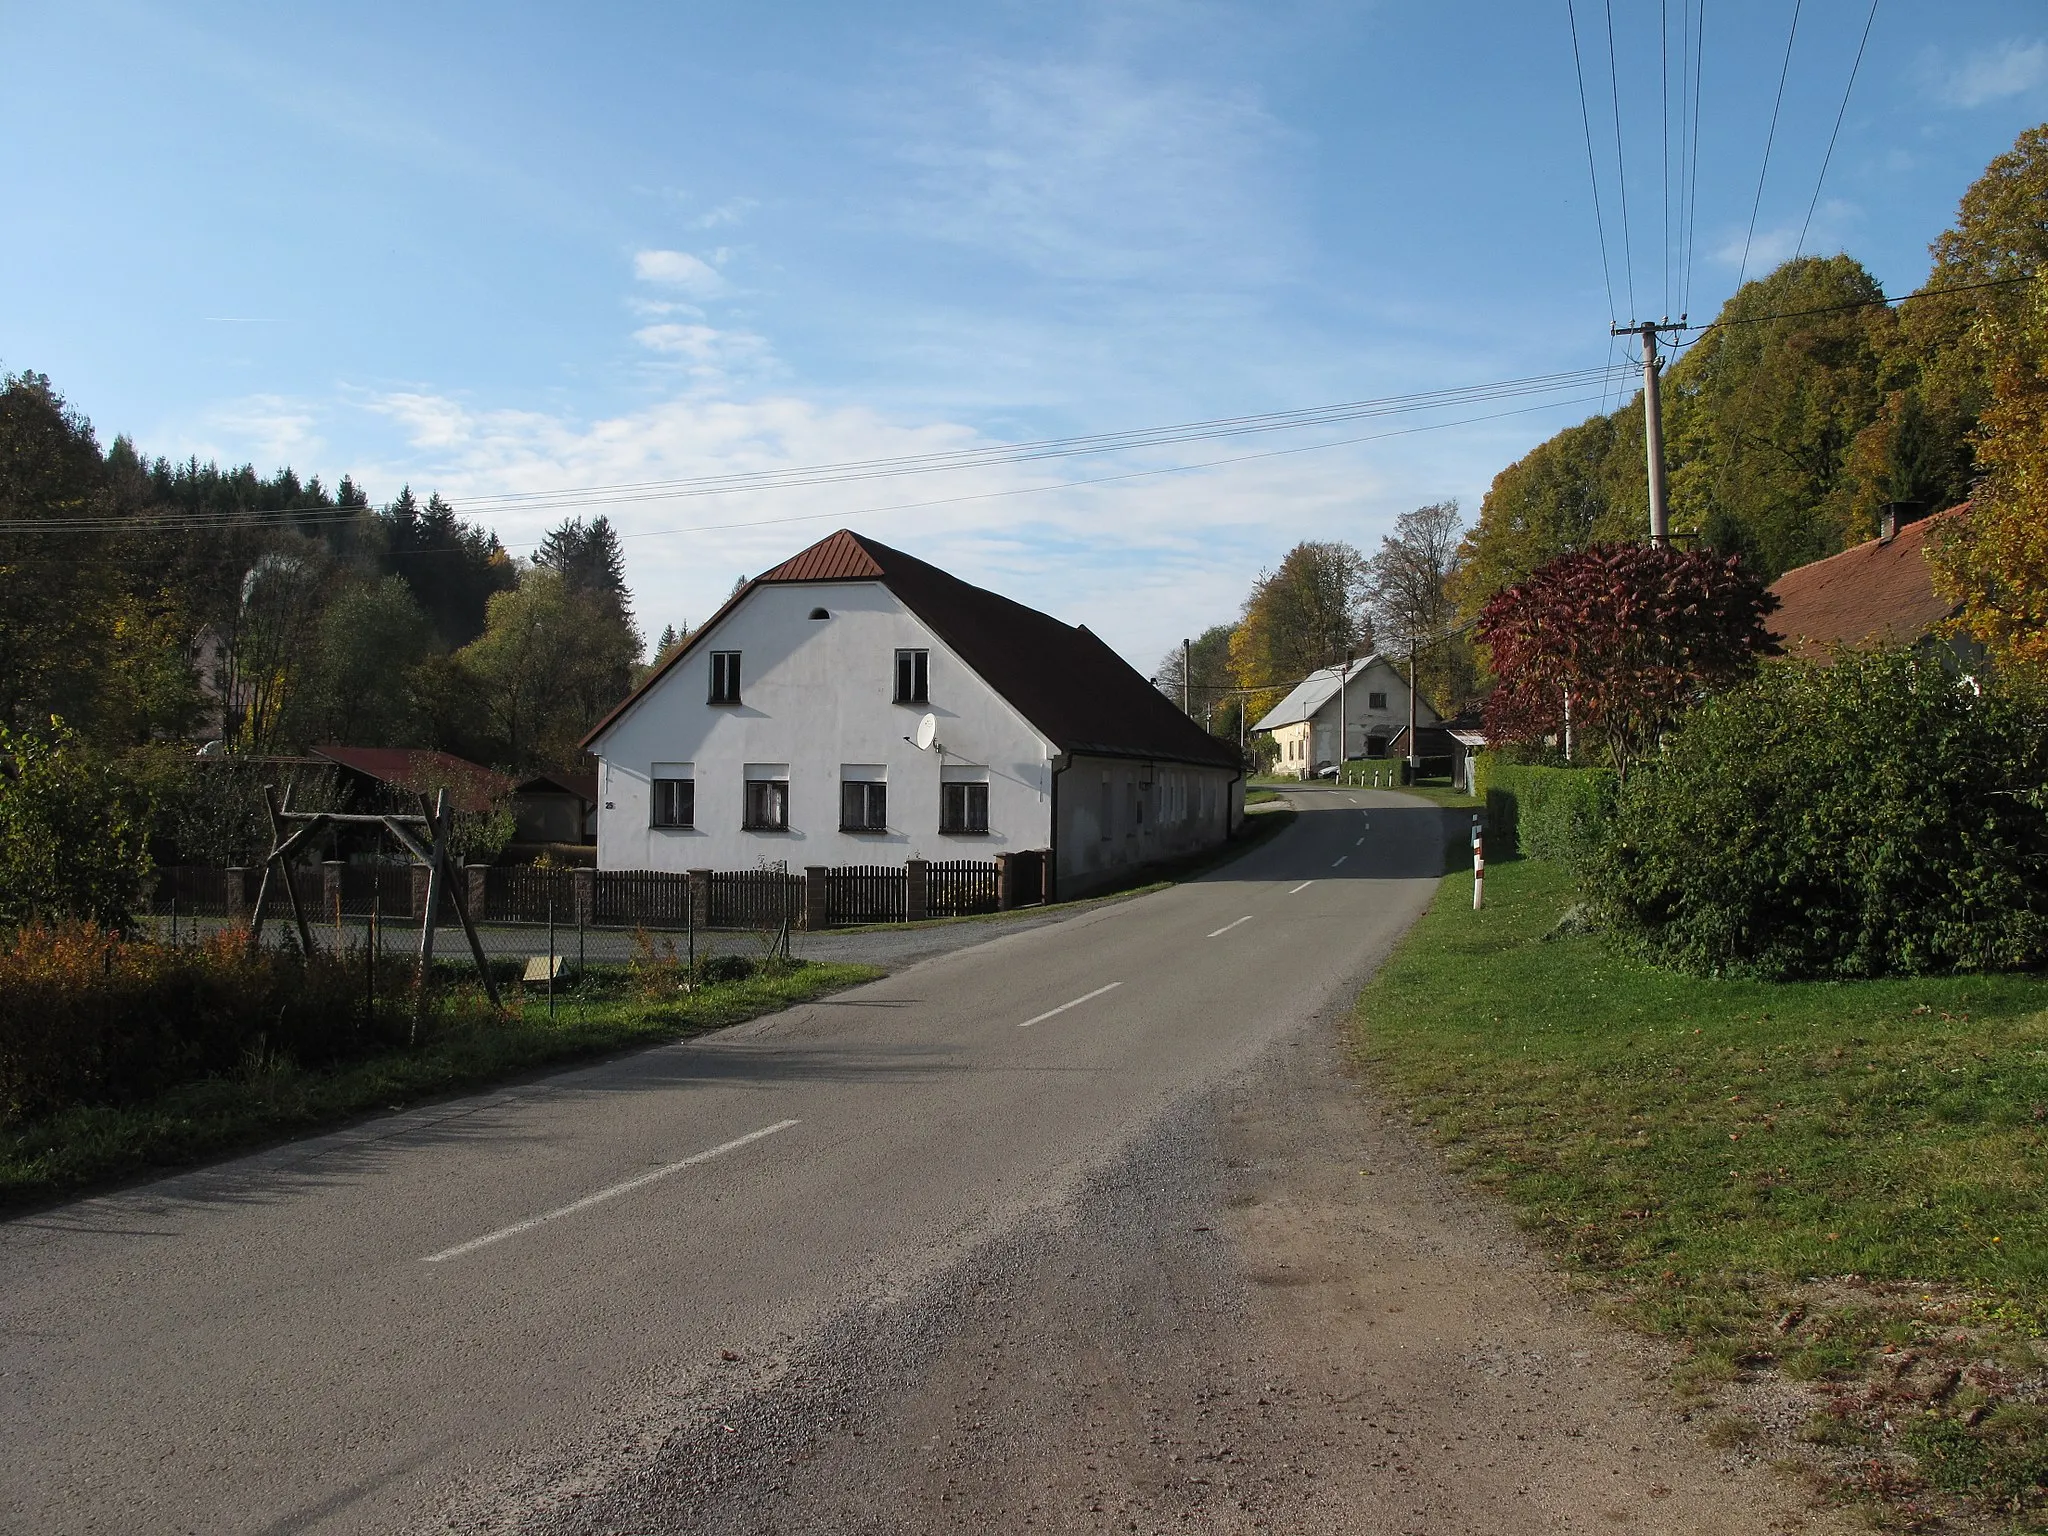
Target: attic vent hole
<point>819,613</point>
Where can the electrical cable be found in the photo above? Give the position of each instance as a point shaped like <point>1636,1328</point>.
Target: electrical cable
<point>1693,178</point>
<point>1664,99</point>
<point>1620,165</point>
<point>1769,139</point>
<point>1877,303</point>
<point>286,520</point>
<point>1592,173</point>
<point>868,469</point>
<point>1839,114</point>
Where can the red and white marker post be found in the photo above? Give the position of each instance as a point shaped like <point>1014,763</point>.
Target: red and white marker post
<point>1478,865</point>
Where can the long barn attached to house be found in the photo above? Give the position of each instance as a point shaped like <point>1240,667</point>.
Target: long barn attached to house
<point>786,732</point>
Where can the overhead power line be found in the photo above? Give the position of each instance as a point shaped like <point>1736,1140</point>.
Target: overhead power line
<point>848,471</point>
<point>1840,112</point>
<point>1592,173</point>
<point>1769,139</point>
<point>1877,303</point>
<point>1620,165</point>
<point>1692,195</point>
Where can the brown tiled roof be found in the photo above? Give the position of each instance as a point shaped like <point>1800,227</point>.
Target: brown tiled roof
<point>582,785</point>
<point>1074,689</point>
<point>470,786</point>
<point>1879,593</point>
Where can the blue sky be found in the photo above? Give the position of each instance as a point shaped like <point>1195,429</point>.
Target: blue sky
<point>504,249</point>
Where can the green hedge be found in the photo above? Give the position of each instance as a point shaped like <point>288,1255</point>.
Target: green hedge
<point>1544,813</point>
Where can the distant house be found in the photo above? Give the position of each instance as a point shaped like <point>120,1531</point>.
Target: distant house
<point>1372,710</point>
<point>787,731</point>
<point>1879,593</point>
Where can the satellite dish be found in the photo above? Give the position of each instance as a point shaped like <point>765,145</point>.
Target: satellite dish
<point>927,732</point>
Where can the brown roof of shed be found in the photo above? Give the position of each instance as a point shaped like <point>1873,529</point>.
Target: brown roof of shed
<point>470,786</point>
<point>1879,593</point>
<point>1074,689</point>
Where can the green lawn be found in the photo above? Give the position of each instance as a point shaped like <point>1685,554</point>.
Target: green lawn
<point>271,1099</point>
<point>1815,1179</point>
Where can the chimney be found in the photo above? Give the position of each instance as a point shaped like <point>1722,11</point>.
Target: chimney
<point>1894,515</point>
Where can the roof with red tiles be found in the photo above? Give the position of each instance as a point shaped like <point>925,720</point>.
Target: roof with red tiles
<point>470,786</point>
<point>1077,692</point>
<point>1879,593</point>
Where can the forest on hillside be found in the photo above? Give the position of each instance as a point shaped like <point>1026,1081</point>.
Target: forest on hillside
<point>148,601</point>
<point>1809,403</point>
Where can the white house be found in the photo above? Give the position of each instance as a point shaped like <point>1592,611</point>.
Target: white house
<point>1373,708</point>
<point>785,732</point>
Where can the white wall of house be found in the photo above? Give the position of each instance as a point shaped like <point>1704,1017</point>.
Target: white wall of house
<point>817,709</point>
<point>1375,707</point>
<point>1117,813</point>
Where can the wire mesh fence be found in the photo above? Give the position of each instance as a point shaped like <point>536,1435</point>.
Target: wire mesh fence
<point>607,912</point>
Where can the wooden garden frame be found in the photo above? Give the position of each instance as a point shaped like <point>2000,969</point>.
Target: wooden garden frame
<point>436,822</point>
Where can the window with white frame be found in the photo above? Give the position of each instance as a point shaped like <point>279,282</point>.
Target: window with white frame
<point>765,807</point>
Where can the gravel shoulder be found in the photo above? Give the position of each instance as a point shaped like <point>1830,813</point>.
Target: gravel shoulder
<point>1277,1312</point>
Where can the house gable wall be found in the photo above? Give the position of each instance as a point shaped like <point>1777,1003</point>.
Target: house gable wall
<point>817,696</point>
<point>1118,813</point>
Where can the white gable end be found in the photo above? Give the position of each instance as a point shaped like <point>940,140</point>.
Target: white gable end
<point>816,709</point>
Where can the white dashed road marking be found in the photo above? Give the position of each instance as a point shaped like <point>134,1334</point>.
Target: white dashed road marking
<point>605,1194</point>
<point>1063,1007</point>
<point>1228,926</point>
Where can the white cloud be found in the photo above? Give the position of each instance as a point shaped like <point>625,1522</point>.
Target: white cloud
<point>710,354</point>
<point>679,269</point>
<point>1091,170</point>
<point>1141,561</point>
<point>731,211</point>
<point>267,430</point>
<point>1779,243</point>
<point>2010,68</point>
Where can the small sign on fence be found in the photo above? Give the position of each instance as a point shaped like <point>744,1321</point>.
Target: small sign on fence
<point>544,968</point>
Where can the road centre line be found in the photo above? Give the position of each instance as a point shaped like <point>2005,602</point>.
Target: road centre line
<point>1301,887</point>
<point>1228,926</point>
<point>602,1195</point>
<point>1359,844</point>
<point>1340,859</point>
<point>1063,1007</point>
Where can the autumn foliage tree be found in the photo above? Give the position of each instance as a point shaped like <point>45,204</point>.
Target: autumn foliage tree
<point>1624,636</point>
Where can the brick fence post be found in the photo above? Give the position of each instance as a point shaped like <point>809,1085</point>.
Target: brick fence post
<point>477,892</point>
<point>915,900</point>
<point>238,894</point>
<point>330,889</point>
<point>700,898</point>
<point>419,889</point>
<point>1006,881</point>
<point>585,883</point>
<point>817,909</point>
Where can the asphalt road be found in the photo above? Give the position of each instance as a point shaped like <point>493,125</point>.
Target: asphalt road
<point>470,1314</point>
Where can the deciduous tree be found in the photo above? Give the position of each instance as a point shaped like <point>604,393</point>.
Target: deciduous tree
<point>1306,614</point>
<point>1629,634</point>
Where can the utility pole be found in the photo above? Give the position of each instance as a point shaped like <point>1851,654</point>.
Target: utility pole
<point>1343,687</point>
<point>1184,681</point>
<point>1414,757</point>
<point>1653,421</point>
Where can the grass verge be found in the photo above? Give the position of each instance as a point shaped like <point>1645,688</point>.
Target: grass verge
<point>1829,1195</point>
<point>272,1098</point>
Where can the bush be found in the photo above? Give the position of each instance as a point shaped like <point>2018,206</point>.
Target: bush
<point>1872,817</point>
<point>74,835</point>
<point>1545,813</point>
<point>87,1017</point>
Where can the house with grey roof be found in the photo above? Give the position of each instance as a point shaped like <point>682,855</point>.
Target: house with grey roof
<point>1367,709</point>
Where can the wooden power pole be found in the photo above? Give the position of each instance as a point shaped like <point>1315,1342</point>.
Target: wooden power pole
<point>1653,421</point>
